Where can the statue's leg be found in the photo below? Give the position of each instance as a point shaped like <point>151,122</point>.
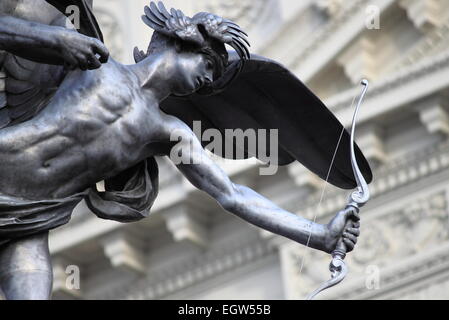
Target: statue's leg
<point>25,269</point>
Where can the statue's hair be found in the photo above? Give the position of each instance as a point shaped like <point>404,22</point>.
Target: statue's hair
<point>205,33</point>
<point>216,50</point>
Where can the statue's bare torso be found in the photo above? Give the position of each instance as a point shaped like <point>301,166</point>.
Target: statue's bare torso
<point>93,128</point>
<point>78,131</point>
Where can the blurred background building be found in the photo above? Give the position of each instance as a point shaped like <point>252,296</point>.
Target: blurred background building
<point>191,249</point>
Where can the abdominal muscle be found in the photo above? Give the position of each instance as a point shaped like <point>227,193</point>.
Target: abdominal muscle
<point>42,165</point>
<point>68,148</point>
<point>58,166</point>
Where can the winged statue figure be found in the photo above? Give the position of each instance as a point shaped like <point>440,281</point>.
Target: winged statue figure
<point>72,116</point>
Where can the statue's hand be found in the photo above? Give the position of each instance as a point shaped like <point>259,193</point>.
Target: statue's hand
<point>346,226</point>
<point>80,51</point>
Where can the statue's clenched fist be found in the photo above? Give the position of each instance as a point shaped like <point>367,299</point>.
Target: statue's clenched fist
<point>346,226</point>
<point>80,51</point>
<point>50,44</point>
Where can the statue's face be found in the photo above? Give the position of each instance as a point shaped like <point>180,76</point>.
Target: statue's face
<point>192,71</point>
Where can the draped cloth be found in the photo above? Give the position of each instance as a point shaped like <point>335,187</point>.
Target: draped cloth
<point>128,197</point>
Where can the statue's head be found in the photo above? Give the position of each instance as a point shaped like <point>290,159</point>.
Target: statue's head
<point>196,47</point>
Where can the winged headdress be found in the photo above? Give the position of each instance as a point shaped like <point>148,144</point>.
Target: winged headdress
<point>204,30</point>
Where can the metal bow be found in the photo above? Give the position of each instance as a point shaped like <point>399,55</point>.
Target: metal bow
<point>356,201</point>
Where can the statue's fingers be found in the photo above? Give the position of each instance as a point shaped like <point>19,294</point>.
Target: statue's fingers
<point>99,48</point>
<point>83,62</point>
<point>70,61</point>
<point>94,63</point>
<point>354,215</point>
<point>346,214</point>
<point>349,245</point>
<point>350,237</point>
<point>353,231</point>
<point>356,225</point>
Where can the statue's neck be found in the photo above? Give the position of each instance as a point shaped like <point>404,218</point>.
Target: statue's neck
<point>154,74</point>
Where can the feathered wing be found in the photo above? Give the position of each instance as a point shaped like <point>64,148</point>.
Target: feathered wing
<point>174,24</point>
<point>28,88</point>
<point>267,96</point>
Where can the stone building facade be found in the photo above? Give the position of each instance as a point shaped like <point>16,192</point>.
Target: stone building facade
<point>191,249</point>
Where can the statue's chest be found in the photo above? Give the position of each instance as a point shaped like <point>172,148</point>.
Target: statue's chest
<point>109,119</point>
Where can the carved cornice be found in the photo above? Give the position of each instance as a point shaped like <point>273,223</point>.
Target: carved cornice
<point>391,177</point>
<point>425,14</point>
<point>321,36</point>
<point>343,101</point>
<point>425,47</point>
<point>159,284</point>
<point>331,7</point>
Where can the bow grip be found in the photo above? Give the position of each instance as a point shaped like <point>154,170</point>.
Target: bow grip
<point>341,250</point>
<point>337,265</point>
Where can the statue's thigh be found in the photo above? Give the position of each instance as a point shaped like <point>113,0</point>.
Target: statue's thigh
<point>25,269</point>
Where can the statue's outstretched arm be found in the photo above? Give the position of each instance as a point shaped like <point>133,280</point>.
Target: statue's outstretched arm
<point>252,207</point>
<point>50,44</point>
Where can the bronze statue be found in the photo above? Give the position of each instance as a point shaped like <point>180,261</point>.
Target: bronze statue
<point>73,127</point>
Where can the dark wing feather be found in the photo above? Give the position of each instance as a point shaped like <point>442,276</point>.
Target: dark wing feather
<point>225,31</point>
<point>163,10</point>
<point>27,88</point>
<point>174,24</point>
<point>239,36</point>
<point>267,96</point>
<point>153,18</point>
<point>155,11</point>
